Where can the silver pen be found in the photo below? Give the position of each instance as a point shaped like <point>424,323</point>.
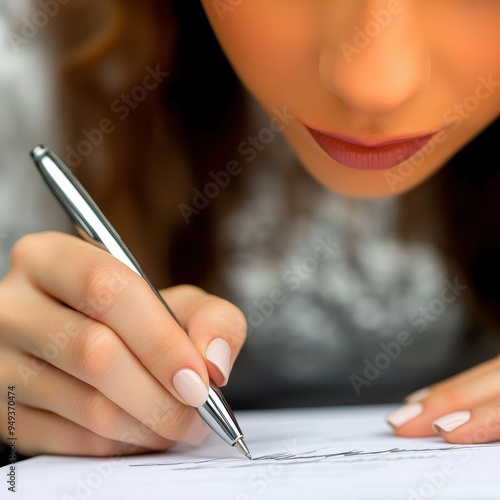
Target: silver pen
<point>93,227</point>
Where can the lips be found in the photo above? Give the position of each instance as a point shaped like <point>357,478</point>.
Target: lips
<point>381,156</point>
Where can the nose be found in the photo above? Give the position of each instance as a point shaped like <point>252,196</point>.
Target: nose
<point>373,55</point>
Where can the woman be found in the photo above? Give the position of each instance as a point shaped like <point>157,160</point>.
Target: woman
<point>315,70</point>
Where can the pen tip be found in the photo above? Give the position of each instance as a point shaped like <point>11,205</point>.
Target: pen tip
<point>241,446</point>
<point>38,151</point>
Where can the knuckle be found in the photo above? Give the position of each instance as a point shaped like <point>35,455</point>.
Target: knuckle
<point>28,246</point>
<point>23,250</point>
<point>101,284</point>
<point>230,318</point>
<point>92,351</point>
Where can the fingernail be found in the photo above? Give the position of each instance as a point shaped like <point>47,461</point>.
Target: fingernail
<point>417,396</point>
<point>190,387</point>
<point>451,421</point>
<point>404,414</point>
<point>219,353</point>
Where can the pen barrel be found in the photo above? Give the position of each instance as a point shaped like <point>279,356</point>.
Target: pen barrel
<point>217,414</point>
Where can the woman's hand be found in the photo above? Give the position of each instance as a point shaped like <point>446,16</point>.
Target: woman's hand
<point>98,365</point>
<point>462,409</point>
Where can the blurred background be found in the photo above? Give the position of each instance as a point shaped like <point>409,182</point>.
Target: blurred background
<point>27,117</point>
<point>344,297</point>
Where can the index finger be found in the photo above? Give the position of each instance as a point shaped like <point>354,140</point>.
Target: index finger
<point>93,282</point>
<point>217,327</point>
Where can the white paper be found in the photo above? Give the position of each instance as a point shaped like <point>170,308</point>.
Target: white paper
<point>339,453</point>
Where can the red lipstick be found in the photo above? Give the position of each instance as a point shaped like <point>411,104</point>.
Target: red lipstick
<point>355,154</point>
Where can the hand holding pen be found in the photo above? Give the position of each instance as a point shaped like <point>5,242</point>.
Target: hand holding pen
<point>99,365</point>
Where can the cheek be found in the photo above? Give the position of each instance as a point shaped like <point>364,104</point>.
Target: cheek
<point>471,61</point>
<point>477,58</point>
<point>467,45</point>
<point>270,45</point>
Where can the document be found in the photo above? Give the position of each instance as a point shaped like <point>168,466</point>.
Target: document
<point>329,453</point>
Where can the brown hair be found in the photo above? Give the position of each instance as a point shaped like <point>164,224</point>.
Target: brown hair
<point>165,144</point>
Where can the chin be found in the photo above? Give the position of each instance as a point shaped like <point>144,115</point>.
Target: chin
<point>368,185</point>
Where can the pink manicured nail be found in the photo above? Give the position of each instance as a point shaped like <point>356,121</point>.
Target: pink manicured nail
<point>417,396</point>
<point>404,414</point>
<point>190,387</point>
<point>219,353</point>
<point>451,421</point>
